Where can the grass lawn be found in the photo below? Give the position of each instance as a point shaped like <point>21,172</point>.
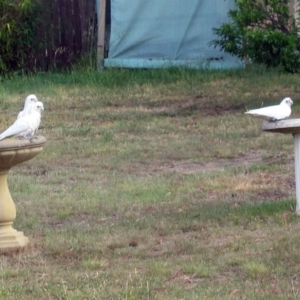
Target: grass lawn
<point>153,184</point>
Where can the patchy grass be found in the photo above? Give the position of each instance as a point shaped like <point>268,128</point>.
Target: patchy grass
<point>154,185</point>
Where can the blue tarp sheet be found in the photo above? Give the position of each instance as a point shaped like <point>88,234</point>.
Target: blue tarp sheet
<point>161,33</point>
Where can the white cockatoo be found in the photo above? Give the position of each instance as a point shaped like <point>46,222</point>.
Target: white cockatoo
<point>275,112</point>
<point>28,102</point>
<point>25,126</point>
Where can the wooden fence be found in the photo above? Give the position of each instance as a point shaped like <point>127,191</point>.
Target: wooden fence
<point>67,31</point>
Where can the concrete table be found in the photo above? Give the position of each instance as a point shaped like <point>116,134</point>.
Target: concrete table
<point>290,126</point>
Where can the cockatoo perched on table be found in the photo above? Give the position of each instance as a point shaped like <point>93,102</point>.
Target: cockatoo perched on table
<point>26,125</point>
<point>275,112</point>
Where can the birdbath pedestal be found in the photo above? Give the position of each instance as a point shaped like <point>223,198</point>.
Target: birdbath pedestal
<point>12,152</point>
<point>290,126</point>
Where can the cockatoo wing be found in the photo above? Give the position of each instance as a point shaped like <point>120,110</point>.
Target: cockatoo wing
<point>21,114</point>
<point>275,112</point>
<point>20,128</point>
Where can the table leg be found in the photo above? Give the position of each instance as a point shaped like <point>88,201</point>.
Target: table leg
<point>297,170</point>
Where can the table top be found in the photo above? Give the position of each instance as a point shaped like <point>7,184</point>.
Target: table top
<point>289,126</point>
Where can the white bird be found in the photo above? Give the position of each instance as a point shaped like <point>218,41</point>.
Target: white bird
<point>274,112</point>
<point>28,102</point>
<point>26,125</point>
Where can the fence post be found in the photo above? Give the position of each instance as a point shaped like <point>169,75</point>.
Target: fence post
<point>101,34</point>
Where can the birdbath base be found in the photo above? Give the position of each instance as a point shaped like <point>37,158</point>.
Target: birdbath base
<point>11,238</point>
<point>13,152</point>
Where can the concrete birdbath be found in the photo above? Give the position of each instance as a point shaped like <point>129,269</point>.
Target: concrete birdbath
<point>13,152</point>
<point>291,126</point>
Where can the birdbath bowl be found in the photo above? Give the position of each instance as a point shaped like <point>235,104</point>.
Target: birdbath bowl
<point>13,152</point>
<point>290,126</point>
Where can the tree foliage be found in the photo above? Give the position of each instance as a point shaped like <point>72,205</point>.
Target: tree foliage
<point>263,31</point>
<point>18,27</point>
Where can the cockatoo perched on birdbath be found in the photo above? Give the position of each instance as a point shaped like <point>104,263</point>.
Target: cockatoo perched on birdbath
<point>26,124</point>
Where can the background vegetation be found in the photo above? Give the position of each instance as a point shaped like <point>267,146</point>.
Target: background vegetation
<point>154,185</point>
<point>18,29</point>
<point>264,32</point>
<point>42,35</point>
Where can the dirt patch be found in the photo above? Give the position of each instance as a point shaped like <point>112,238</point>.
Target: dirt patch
<point>189,168</point>
<point>199,104</point>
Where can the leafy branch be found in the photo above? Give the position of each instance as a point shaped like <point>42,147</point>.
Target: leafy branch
<point>263,31</point>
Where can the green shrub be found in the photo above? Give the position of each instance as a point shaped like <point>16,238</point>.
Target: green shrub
<point>264,32</point>
<point>18,27</point>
